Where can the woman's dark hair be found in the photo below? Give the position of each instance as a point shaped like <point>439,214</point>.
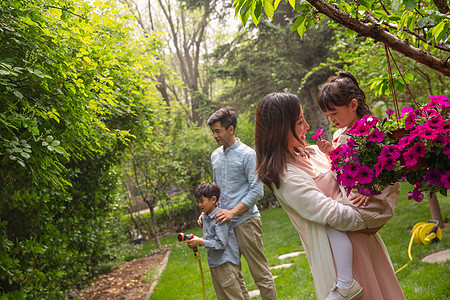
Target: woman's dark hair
<point>276,116</point>
<point>340,90</point>
<point>226,116</point>
<point>207,189</point>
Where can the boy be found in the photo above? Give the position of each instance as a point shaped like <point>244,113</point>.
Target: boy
<point>221,246</point>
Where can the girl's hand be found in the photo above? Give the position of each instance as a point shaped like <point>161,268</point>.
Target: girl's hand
<point>324,146</point>
<point>359,200</point>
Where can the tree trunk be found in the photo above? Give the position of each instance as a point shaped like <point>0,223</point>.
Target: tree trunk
<point>435,208</point>
<point>155,227</point>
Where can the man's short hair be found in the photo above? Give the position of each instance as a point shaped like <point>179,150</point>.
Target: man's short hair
<point>226,116</point>
<point>208,190</point>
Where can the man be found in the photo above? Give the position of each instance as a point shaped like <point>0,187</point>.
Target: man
<point>233,166</point>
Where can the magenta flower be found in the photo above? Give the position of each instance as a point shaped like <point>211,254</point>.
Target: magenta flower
<point>388,162</point>
<point>410,120</point>
<point>446,150</point>
<point>376,136</point>
<point>348,181</point>
<point>445,128</point>
<point>390,112</point>
<point>435,122</point>
<point>352,169</point>
<point>404,141</point>
<point>433,177</point>
<point>418,149</point>
<point>426,132</point>
<point>378,168</point>
<point>445,180</point>
<point>369,120</point>
<point>410,158</point>
<point>390,150</point>
<point>336,153</point>
<point>318,134</point>
<point>407,110</point>
<point>415,195</point>
<point>365,175</point>
<point>359,128</point>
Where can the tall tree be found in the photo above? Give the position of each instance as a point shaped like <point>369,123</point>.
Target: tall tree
<point>186,22</point>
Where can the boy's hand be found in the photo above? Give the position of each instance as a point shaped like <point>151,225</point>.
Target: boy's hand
<point>359,200</point>
<point>195,241</point>
<point>324,146</point>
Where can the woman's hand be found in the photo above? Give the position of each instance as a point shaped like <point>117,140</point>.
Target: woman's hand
<point>199,220</point>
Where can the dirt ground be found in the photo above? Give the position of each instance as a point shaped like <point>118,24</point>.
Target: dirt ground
<point>127,281</point>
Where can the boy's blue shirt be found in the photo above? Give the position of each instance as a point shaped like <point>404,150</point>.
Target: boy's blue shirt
<point>220,241</point>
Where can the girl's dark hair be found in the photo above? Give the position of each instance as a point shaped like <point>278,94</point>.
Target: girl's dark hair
<point>226,116</point>
<point>340,90</point>
<point>276,116</point>
<point>207,189</point>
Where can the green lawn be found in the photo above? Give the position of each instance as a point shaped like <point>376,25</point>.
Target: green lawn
<point>182,280</point>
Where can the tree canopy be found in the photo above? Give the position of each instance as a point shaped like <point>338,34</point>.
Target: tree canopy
<point>416,29</point>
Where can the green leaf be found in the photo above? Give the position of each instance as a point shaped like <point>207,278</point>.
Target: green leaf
<point>25,155</point>
<point>18,94</point>
<point>55,143</point>
<point>292,3</point>
<point>256,12</point>
<point>409,4</point>
<point>440,30</point>
<point>302,28</point>
<point>60,150</point>
<point>297,23</point>
<point>268,8</point>
<point>275,4</point>
<point>49,138</point>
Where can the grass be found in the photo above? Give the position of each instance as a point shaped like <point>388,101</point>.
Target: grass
<point>182,278</point>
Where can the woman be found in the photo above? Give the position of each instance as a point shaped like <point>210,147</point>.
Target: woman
<point>280,142</point>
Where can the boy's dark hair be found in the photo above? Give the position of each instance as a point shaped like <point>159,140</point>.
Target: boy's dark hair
<point>208,190</point>
<point>226,116</point>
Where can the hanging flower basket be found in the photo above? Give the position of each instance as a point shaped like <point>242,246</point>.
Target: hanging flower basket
<point>413,147</point>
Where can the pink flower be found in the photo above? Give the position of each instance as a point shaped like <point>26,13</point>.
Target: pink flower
<point>318,134</point>
<point>390,112</point>
<point>365,175</point>
<point>336,153</point>
<point>376,136</point>
<point>446,150</point>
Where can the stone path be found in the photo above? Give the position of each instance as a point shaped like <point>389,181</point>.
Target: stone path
<point>281,257</point>
<point>437,257</point>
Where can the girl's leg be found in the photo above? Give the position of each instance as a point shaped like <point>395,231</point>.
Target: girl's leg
<point>343,257</point>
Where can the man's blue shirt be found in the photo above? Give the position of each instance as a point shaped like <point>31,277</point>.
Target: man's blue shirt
<point>220,241</point>
<point>234,173</point>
